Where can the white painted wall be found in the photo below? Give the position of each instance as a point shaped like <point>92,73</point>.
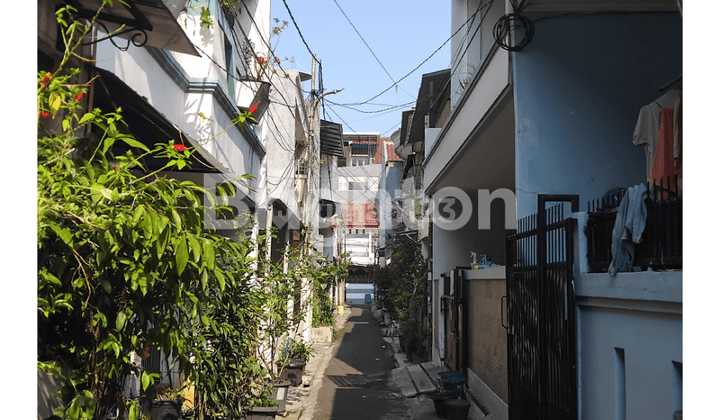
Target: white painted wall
<point>287,127</point>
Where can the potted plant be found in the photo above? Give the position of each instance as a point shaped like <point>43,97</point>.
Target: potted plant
<point>264,407</point>
<point>280,394</point>
<point>301,351</point>
<point>167,404</point>
<point>295,355</point>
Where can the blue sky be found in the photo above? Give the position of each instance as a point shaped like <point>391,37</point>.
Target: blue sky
<point>401,34</point>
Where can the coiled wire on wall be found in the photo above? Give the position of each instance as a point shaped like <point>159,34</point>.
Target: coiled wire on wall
<point>511,21</point>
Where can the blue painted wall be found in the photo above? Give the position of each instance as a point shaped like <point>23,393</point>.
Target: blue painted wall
<point>579,87</point>
<point>651,342</point>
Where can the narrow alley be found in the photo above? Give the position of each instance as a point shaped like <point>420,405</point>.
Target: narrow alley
<point>386,210</point>
<point>351,377</point>
<point>357,383</point>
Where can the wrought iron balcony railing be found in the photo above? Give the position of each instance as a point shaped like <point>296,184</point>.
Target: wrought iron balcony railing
<point>660,247</point>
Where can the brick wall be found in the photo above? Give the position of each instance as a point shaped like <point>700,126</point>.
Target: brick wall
<point>487,339</point>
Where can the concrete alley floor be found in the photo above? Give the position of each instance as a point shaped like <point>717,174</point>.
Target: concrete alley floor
<point>357,383</point>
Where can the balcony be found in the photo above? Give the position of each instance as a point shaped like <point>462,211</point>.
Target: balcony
<point>660,247</point>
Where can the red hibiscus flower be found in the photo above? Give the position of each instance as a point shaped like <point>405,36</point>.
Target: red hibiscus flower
<point>79,96</point>
<point>46,78</point>
<point>261,59</point>
<point>254,107</point>
<point>179,147</point>
<point>277,60</point>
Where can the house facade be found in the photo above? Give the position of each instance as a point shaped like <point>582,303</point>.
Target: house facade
<point>186,75</point>
<point>549,127</point>
<point>353,185</point>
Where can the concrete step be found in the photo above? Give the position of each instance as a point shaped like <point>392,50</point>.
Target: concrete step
<point>432,370</point>
<point>404,382</point>
<point>422,381</point>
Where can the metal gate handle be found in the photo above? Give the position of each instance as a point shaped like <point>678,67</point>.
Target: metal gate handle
<point>502,312</point>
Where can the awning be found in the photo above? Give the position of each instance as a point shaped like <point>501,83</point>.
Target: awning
<point>433,85</point>
<point>331,139</point>
<point>146,22</point>
<point>406,122</point>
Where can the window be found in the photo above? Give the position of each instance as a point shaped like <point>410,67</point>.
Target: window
<point>357,184</point>
<point>229,65</point>
<point>360,161</point>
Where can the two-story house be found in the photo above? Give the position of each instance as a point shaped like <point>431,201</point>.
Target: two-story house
<point>555,105</point>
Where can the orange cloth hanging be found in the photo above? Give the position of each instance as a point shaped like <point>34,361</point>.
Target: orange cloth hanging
<point>664,165</point>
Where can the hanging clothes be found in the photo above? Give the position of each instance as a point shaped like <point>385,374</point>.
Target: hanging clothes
<point>647,128</point>
<point>628,229</point>
<point>665,165</point>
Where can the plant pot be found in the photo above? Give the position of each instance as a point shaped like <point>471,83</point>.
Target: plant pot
<point>280,394</point>
<point>293,372</point>
<point>457,409</point>
<point>439,399</point>
<point>165,410</point>
<point>261,413</point>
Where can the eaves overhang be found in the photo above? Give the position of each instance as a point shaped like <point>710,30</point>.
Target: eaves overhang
<point>140,22</point>
<point>405,126</point>
<point>433,85</point>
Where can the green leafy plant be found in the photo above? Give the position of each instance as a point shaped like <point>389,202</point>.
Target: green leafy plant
<point>401,288</point>
<point>206,20</point>
<point>297,349</point>
<point>282,281</point>
<point>325,274</point>
<point>125,260</point>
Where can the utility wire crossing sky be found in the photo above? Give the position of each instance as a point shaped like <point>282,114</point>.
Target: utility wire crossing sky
<point>376,51</point>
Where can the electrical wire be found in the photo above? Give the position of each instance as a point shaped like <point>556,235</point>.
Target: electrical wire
<point>469,43</point>
<point>418,66</point>
<point>304,42</point>
<point>368,47</point>
<point>390,108</point>
<point>510,22</point>
<point>267,44</point>
<point>391,128</point>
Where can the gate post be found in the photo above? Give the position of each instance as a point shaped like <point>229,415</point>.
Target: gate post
<point>542,285</point>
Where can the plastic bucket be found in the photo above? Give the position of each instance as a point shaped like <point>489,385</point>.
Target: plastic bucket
<point>457,409</point>
<point>451,381</point>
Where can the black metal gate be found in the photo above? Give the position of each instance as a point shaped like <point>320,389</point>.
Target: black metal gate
<point>542,377</point>
<point>452,309</point>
